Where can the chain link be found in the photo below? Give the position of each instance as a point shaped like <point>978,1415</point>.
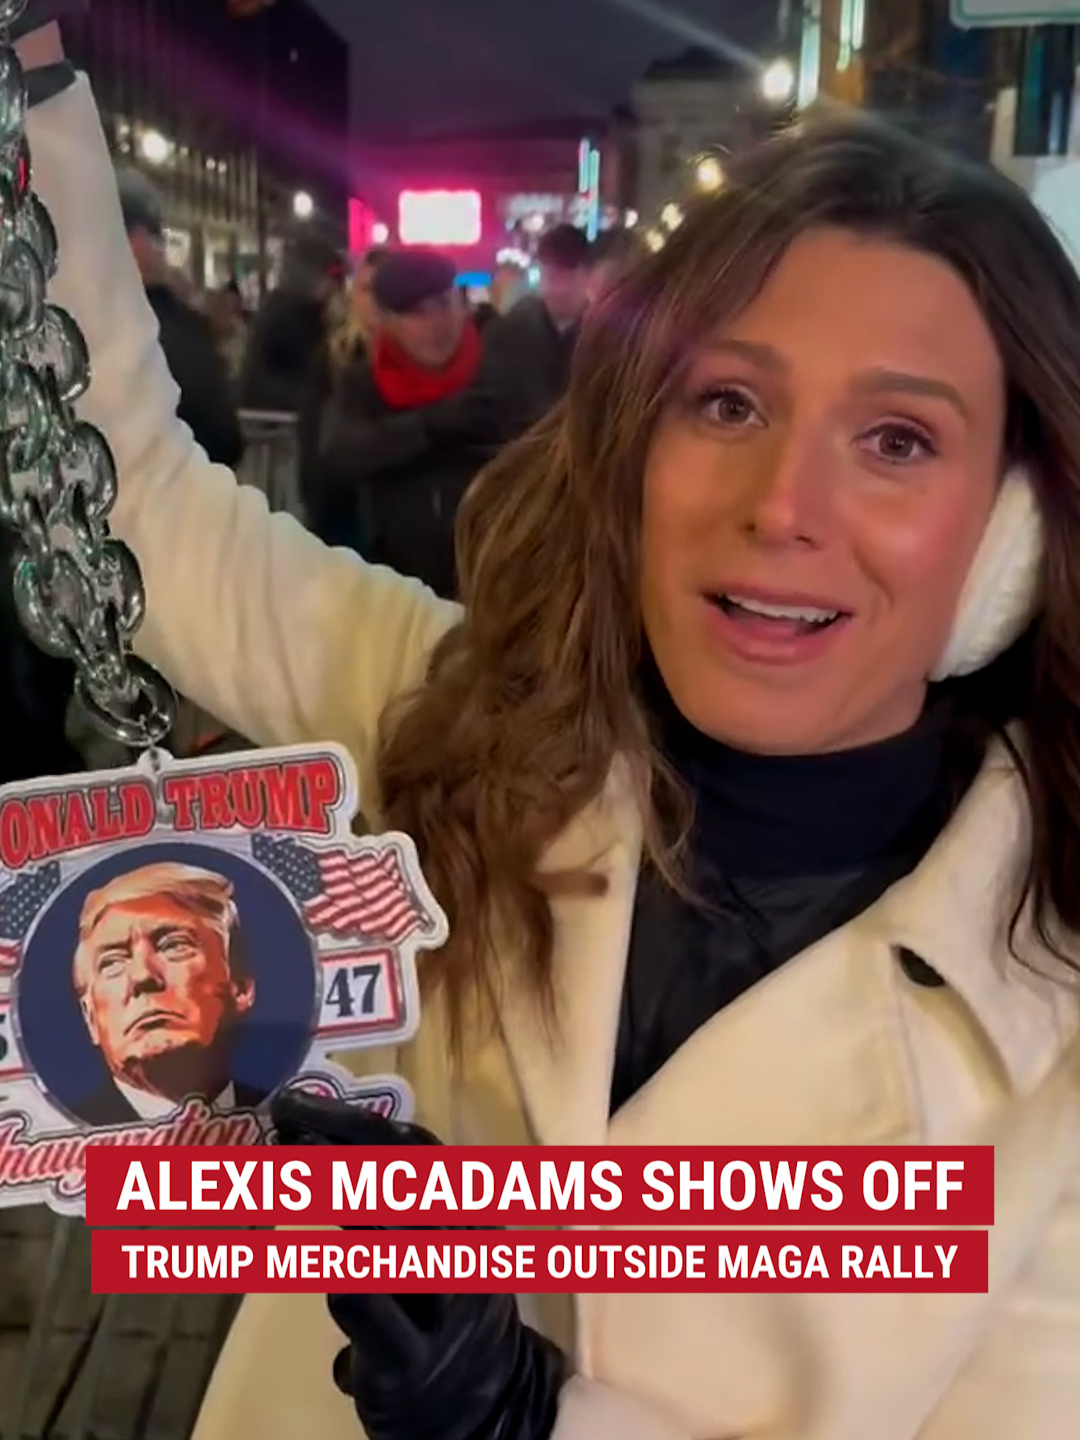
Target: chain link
<point>78,591</point>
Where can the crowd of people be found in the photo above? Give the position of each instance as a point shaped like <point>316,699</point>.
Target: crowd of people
<point>401,391</point>
<point>406,394</point>
<point>401,388</point>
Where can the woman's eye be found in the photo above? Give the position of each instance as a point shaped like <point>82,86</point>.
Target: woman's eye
<point>898,444</point>
<point>729,406</point>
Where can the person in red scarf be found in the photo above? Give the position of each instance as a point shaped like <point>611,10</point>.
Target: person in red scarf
<point>399,433</point>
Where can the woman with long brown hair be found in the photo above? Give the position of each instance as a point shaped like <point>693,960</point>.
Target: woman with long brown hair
<point>748,774</point>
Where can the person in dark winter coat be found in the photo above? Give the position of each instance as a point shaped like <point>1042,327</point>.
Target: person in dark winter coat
<point>286,353</point>
<point>527,352</point>
<point>36,690</point>
<point>398,431</point>
<point>206,402</point>
<point>287,368</point>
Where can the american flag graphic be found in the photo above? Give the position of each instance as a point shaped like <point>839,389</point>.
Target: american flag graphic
<point>20,905</point>
<point>360,893</point>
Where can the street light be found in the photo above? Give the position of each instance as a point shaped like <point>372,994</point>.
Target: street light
<point>671,216</point>
<point>654,240</point>
<point>155,149</point>
<point>303,205</point>
<point>631,219</point>
<point>778,82</point>
<point>709,174</point>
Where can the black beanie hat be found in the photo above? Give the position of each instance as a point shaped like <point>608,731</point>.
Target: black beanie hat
<point>406,278</point>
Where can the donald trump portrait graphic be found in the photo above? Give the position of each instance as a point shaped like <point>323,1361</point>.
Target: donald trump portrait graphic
<point>163,987</point>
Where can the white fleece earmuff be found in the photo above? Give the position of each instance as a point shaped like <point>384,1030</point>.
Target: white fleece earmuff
<point>999,596</point>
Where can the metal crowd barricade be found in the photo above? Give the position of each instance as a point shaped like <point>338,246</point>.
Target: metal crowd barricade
<point>78,1367</point>
<point>272,458</point>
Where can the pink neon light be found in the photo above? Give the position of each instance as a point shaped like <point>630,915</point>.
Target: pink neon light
<point>440,217</point>
<point>359,226</point>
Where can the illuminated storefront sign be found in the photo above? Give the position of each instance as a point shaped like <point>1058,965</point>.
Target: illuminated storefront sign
<point>440,217</point>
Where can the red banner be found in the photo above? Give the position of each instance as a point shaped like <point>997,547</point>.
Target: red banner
<point>503,1185</point>
<point>222,1262</point>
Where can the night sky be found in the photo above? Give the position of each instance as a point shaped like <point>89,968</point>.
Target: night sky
<point>421,66</point>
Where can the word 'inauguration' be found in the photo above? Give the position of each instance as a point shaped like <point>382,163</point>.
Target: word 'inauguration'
<point>459,1187</point>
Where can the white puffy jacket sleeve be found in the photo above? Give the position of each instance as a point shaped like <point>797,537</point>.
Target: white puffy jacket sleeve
<point>247,613</point>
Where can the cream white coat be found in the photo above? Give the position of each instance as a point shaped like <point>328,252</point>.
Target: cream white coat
<point>287,642</point>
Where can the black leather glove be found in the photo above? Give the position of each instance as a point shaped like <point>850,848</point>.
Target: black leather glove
<point>428,1367</point>
<point>43,12</point>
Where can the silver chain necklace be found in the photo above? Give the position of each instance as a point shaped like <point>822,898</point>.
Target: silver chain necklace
<point>78,590</point>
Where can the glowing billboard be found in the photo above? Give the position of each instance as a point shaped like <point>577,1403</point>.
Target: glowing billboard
<point>440,217</point>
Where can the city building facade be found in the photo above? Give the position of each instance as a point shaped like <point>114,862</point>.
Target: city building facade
<point>686,108</point>
<point>239,112</point>
<point>692,111</point>
<point>904,59</point>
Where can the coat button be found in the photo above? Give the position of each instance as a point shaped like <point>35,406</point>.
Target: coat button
<point>917,970</point>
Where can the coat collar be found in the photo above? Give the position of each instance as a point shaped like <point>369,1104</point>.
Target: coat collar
<point>564,1070</point>
<point>953,911</point>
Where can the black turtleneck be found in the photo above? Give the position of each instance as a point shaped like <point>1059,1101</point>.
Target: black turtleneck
<point>784,850</point>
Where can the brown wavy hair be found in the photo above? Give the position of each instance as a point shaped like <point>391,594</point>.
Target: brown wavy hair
<point>534,694</point>
<point>351,336</point>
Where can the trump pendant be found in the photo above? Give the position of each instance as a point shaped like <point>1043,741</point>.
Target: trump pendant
<point>181,939</point>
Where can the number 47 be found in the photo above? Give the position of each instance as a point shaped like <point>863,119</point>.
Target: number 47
<point>342,992</point>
